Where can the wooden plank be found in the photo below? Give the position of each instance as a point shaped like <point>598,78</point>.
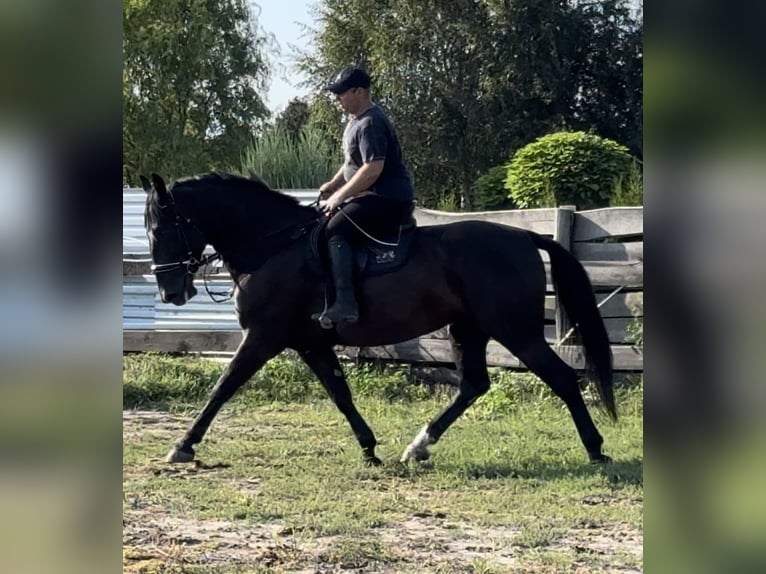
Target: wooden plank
<point>542,221</point>
<point>180,341</point>
<point>616,329</point>
<point>563,235</point>
<point>433,351</point>
<point>627,252</point>
<point>608,222</point>
<point>138,268</point>
<point>606,276</point>
<point>622,304</point>
<point>609,275</point>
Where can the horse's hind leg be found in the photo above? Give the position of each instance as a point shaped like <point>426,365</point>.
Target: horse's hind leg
<point>326,367</point>
<point>469,350</point>
<point>251,355</point>
<point>539,358</point>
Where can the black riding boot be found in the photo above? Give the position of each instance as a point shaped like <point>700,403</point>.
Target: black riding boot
<point>344,309</point>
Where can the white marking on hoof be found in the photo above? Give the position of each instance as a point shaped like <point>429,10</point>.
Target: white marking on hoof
<point>176,455</point>
<point>418,448</point>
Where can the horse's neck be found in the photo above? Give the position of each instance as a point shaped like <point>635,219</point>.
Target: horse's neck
<point>237,232</point>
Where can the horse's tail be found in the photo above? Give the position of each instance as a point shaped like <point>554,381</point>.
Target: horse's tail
<point>575,294</point>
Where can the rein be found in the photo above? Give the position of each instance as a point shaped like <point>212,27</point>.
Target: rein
<point>191,264</point>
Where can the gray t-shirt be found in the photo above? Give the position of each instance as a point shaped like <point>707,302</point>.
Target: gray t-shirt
<point>371,136</point>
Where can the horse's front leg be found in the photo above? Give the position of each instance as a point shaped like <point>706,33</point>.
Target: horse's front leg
<point>326,367</point>
<point>252,354</point>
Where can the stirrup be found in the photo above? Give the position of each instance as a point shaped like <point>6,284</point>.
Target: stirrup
<point>350,319</point>
<point>324,321</point>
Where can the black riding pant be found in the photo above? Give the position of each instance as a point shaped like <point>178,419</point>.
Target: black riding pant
<point>375,214</point>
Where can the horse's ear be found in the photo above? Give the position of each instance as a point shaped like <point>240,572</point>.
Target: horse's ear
<point>145,183</point>
<point>159,184</point>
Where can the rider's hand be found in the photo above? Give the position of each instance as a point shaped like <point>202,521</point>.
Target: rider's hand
<point>331,204</point>
<point>325,190</point>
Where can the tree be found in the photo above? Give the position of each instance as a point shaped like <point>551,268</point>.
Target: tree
<point>294,117</point>
<point>193,72</point>
<point>424,75</point>
<point>468,82</point>
<point>610,82</point>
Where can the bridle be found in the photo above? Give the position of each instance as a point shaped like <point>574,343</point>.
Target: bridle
<point>191,264</point>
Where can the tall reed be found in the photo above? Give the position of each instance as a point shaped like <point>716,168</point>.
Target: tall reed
<point>288,162</point>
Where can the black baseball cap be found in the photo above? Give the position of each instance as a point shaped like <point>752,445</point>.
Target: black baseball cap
<point>349,77</point>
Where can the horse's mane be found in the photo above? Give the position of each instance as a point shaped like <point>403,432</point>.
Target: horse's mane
<point>249,194</point>
<point>218,180</point>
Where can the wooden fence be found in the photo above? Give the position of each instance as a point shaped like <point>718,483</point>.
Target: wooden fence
<point>608,242</point>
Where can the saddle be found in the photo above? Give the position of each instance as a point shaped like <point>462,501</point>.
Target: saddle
<point>371,258</point>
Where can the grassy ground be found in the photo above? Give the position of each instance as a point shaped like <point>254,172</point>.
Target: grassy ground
<point>280,485</point>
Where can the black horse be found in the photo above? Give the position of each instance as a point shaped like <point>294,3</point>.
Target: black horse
<point>484,280</point>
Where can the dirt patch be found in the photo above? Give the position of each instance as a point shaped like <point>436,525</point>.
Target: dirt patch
<point>151,537</point>
<point>139,423</point>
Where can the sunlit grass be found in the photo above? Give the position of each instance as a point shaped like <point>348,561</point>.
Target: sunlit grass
<point>514,462</point>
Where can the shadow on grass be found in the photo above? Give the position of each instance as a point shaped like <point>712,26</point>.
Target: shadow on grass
<point>628,472</point>
<point>625,473</point>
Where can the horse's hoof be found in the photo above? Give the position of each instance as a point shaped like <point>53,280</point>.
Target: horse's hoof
<point>369,457</point>
<point>418,448</point>
<point>178,455</point>
<point>421,455</point>
<point>372,461</point>
<point>417,453</point>
<point>600,459</point>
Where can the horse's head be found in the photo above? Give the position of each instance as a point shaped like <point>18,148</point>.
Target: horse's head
<point>175,243</point>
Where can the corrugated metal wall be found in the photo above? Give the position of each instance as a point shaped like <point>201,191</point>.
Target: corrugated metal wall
<point>141,304</point>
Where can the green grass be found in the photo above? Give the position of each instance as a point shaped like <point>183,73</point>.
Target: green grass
<point>508,481</point>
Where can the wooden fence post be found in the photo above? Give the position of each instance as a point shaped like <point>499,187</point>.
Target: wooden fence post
<point>564,231</point>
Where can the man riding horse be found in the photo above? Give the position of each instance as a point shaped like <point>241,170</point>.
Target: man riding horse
<point>371,192</point>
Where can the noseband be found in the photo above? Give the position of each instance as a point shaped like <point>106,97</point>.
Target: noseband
<point>191,264</point>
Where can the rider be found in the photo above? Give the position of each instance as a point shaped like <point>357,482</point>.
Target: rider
<point>372,190</point>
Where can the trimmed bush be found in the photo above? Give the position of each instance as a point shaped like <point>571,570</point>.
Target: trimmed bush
<point>489,191</point>
<point>567,168</point>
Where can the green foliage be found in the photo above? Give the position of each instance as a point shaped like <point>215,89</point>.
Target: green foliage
<point>388,383</point>
<point>611,93</point>
<point>155,379</point>
<point>467,82</point>
<point>326,118</point>
<point>489,191</point>
<point>629,189</point>
<point>509,390</point>
<point>294,118</point>
<point>193,72</point>
<point>159,380</point>
<point>567,168</point>
<point>287,162</point>
<point>449,202</point>
<point>635,330</point>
